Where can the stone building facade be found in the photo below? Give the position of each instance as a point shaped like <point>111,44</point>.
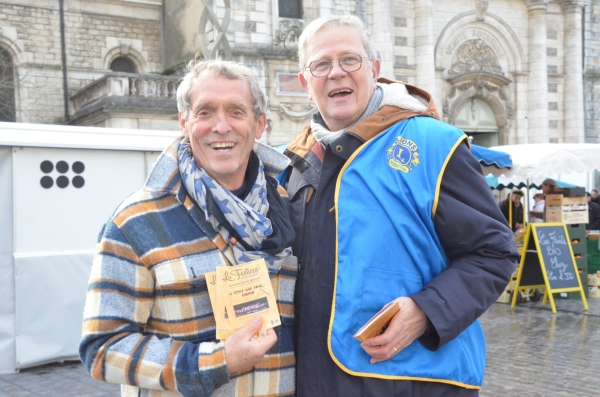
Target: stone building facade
<point>506,72</point>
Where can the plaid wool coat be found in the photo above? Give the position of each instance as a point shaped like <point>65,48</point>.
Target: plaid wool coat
<point>156,335</point>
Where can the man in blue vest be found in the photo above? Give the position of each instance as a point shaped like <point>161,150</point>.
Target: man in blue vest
<point>388,204</point>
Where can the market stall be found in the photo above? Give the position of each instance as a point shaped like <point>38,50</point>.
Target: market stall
<point>533,162</point>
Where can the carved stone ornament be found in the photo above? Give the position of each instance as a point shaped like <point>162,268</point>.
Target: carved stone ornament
<point>509,112</point>
<point>479,85</point>
<point>124,46</point>
<point>480,9</point>
<point>288,33</point>
<point>210,50</point>
<point>474,55</point>
<point>286,110</point>
<point>480,88</point>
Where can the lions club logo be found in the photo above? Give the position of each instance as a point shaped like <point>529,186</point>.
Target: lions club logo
<point>403,155</point>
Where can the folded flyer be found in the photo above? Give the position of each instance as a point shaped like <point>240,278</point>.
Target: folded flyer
<point>245,291</point>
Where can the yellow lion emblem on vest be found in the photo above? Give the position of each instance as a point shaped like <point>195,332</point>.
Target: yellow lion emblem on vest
<point>403,155</point>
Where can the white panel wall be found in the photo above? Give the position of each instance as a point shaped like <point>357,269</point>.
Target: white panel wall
<point>63,219</point>
<point>49,295</point>
<point>7,290</point>
<point>47,242</point>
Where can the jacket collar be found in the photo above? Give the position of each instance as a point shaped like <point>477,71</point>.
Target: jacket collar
<point>164,178</point>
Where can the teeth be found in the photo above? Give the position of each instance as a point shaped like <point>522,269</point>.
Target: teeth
<point>222,145</point>
<point>340,92</point>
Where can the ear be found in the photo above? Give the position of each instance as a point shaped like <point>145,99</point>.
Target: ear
<point>304,83</point>
<point>182,124</point>
<point>375,69</point>
<point>261,124</point>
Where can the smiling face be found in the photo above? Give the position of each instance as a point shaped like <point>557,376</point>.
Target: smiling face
<point>222,127</point>
<point>341,97</point>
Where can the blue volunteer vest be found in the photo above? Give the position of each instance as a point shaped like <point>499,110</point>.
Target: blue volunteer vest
<point>386,197</point>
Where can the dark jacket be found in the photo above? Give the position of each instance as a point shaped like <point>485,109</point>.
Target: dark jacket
<point>517,212</point>
<point>470,227</point>
<point>594,214</point>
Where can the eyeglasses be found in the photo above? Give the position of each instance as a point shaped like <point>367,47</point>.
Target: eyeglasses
<point>349,63</point>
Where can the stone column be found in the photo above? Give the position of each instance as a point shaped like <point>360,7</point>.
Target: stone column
<point>537,114</point>
<point>382,36</point>
<point>424,46</point>
<point>573,58</point>
<point>518,135</point>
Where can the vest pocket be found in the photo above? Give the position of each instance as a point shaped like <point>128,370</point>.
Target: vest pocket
<point>381,287</point>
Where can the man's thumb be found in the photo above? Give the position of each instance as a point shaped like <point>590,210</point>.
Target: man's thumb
<point>254,325</point>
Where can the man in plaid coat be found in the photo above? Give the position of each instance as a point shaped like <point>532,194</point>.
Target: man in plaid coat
<point>210,200</point>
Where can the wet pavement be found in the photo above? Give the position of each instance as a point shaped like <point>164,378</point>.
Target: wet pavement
<point>532,352</point>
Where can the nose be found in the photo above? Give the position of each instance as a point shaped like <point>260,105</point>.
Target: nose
<point>221,125</point>
<point>336,69</point>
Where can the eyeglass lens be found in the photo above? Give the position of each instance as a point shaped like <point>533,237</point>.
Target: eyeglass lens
<point>348,63</point>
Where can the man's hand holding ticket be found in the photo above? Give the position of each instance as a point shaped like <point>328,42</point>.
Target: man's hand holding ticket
<point>244,291</point>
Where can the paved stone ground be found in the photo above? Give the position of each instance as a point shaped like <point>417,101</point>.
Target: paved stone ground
<point>531,353</point>
<point>535,353</point>
<point>68,380</point>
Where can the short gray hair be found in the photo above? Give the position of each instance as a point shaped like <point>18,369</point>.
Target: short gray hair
<point>334,21</point>
<point>228,69</point>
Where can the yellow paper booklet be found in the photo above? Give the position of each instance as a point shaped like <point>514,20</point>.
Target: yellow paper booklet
<point>378,323</point>
<point>223,325</point>
<point>246,291</point>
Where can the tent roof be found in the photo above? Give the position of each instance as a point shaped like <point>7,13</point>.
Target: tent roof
<point>539,159</point>
<point>491,158</point>
<point>502,182</point>
<point>67,136</point>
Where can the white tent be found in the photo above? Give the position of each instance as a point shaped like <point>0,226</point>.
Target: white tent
<point>541,159</point>
<point>535,161</point>
<point>58,185</point>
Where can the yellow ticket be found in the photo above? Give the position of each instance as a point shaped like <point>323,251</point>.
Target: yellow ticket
<point>246,292</point>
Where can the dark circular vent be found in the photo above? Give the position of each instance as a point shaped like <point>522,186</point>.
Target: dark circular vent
<point>46,182</point>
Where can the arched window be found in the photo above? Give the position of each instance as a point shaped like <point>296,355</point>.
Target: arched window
<point>290,9</point>
<point>123,64</point>
<point>7,87</point>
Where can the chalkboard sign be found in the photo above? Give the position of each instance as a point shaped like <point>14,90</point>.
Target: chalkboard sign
<point>548,262</point>
<point>556,253</point>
